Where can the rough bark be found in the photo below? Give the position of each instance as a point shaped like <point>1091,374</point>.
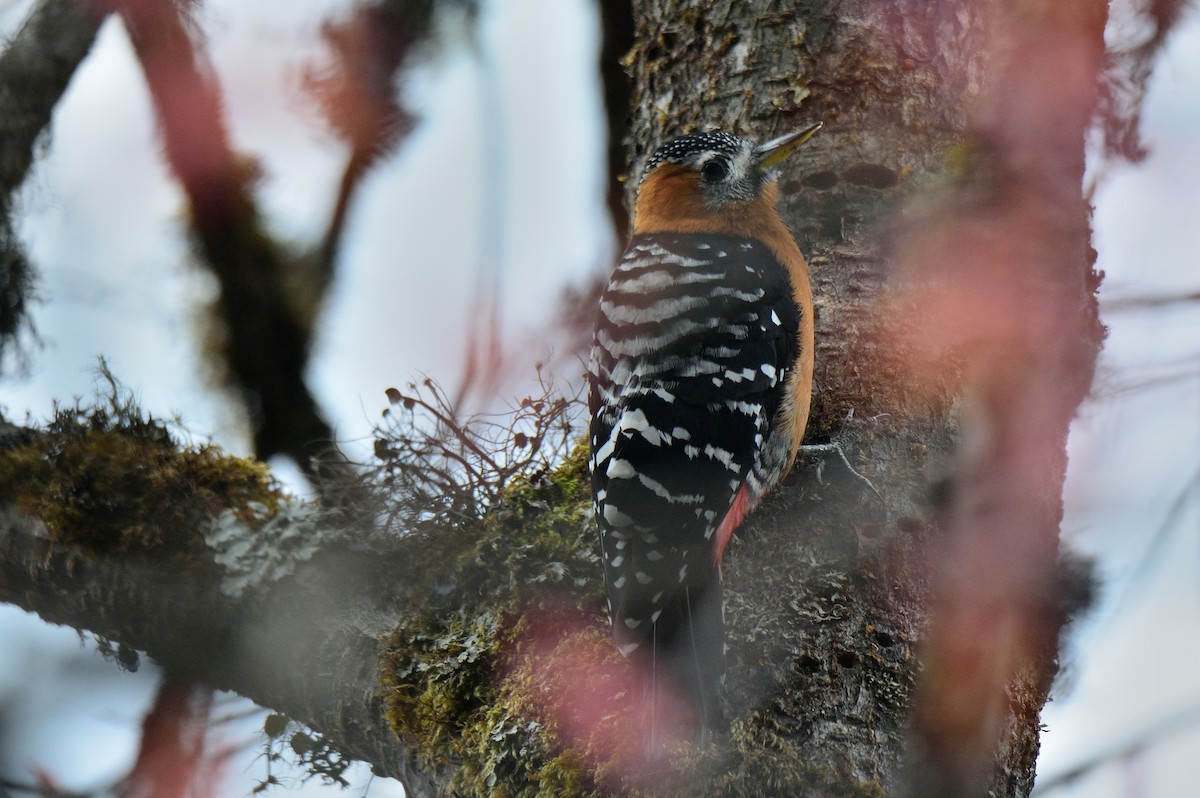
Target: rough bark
<point>616,39</point>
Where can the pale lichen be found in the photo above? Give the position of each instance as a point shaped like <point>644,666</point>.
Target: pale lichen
<point>267,549</point>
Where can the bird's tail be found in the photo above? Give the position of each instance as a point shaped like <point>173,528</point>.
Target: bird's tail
<point>688,654</point>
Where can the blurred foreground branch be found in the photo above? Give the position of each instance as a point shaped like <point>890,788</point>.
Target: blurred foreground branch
<point>35,68</point>
<point>265,341</point>
<point>1001,265</point>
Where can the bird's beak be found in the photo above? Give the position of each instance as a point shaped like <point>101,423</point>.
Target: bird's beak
<point>772,153</point>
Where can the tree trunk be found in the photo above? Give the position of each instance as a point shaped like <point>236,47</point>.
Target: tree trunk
<point>942,215</point>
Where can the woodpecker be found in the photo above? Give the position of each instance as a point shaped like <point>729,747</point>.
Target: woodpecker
<point>700,381</point>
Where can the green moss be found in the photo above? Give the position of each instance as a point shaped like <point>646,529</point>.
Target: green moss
<point>114,482</point>
<point>457,671</point>
<point>512,747</point>
<point>758,760</point>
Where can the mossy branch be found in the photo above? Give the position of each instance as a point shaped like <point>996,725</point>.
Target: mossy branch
<point>458,642</point>
<point>111,522</point>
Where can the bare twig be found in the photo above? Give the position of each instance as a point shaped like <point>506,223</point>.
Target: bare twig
<point>1148,301</point>
<point>443,468</point>
<point>1164,727</point>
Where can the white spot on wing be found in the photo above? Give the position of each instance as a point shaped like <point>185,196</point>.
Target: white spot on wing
<point>636,421</point>
<point>660,490</point>
<point>722,456</point>
<point>620,469</point>
<point>665,395</point>
<point>615,517</point>
<point>652,280</point>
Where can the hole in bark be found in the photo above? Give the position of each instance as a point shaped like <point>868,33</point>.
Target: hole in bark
<point>942,493</point>
<point>669,41</point>
<point>807,663</point>
<point>791,187</point>
<point>847,659</point>
<point>871,175</point>
<point>908,525</point>
<point>822,180</point>
<point>884,640</point>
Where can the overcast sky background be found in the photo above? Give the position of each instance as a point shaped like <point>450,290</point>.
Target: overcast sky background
<point>514,122</point>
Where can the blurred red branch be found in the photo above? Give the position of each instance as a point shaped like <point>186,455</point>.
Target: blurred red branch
<point>358,94</point>
<point>1005,268</point>
<point>174,761</point>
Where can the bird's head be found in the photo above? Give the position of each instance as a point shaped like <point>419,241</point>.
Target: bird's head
<point>702,174</point>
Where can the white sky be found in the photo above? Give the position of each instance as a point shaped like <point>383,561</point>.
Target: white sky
<point>522,133</point>
<point>1135,660</point>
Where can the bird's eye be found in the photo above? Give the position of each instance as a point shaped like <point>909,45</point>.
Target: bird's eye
<point>715,170</point>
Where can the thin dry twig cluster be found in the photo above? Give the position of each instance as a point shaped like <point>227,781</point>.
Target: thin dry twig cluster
<point>442,469</point>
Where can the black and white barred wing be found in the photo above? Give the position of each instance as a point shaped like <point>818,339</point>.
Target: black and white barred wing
<point>689,361</point>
